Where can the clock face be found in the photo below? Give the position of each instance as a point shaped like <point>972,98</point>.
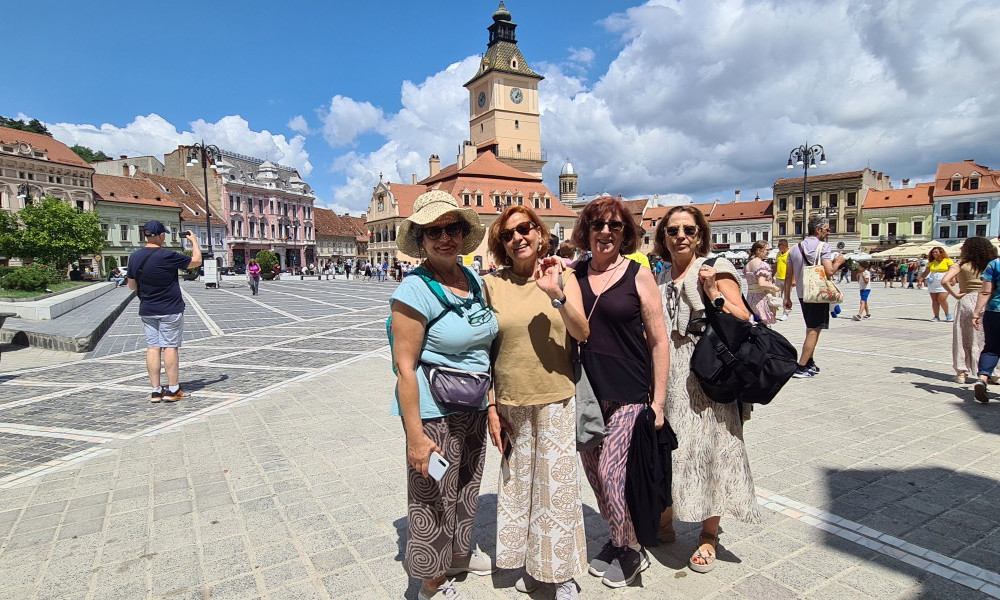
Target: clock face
<point>482,99</point>
<point>516,95</point>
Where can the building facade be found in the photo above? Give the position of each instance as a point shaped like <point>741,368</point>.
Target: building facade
<point>264,206</point>
<point>499,166</point>
<point>337,237</point>
<point>737,225</point>
<point>125,204</point>
<point>125,166</point>
<point>33,165</point>
<point>966,201</point>
<point>838,196</point>
<point>893,217</point>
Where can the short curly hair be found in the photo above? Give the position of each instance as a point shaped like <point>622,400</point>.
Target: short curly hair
<point>495,244</point>
<point>613,209</point>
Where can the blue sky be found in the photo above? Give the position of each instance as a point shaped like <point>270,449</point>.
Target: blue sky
<point>691,99</point>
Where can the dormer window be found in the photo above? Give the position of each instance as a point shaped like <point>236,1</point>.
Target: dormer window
<point>956,184</point>
<point>513,63</point>
<point>974,181</point>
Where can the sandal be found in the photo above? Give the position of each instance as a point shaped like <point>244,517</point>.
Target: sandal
<point>708,558</point>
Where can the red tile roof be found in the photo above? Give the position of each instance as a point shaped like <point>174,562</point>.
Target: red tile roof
<point>921,195</point>
<point>655,213</point>
<point>405,195</point>
<point>485,165</point>
<point>186,194</point>
<point>129,190</point>
<point>58,151</point>
<point>738,211</point>
<point>989,180</point>
<point>330,223</point>
<point>828,177</point>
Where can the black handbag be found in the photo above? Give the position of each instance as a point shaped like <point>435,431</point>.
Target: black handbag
<point>737,360</point>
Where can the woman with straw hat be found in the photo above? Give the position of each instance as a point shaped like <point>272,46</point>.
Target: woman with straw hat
<point>441,329</point>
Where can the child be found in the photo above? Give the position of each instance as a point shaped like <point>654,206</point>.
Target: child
<point>864,281</point>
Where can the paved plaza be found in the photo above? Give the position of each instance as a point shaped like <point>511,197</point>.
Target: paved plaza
<point>283,476</point>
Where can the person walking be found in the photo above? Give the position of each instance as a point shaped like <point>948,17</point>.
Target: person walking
<point>781,272</point>
<point>711,470</point>
<point>864,284</point>
<point>966,340</point>
<point>889,273</point>
<point>161,306</point>
<point>845,272</point>
<point>441,513</point>
<point>760,287</point>
<point>253,273</point>
<point>816,315</point>
<point>937,265</point>
<point>627,362</point>
<point>539,311</point>
<point>986,317</point>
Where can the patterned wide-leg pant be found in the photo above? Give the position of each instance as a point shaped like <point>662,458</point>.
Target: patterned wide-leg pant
<point>539,511</point>
<point>440,513</point>
<point>605,469</point>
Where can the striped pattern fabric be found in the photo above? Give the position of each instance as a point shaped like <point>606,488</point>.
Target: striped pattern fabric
<point>605,469</point>
<point>440,514</point>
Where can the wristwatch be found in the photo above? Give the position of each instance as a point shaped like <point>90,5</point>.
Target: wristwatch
<point>559,303</point>
<point>719,301</point>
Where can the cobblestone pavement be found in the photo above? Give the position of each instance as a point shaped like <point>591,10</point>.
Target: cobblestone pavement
<point>284,476</point>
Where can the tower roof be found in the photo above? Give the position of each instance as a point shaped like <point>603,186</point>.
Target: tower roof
<point>567,169</point>
<point>502,14</point>
<point>502,53</point>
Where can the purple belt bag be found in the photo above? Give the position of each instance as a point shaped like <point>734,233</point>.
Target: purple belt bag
<point>458,390</point>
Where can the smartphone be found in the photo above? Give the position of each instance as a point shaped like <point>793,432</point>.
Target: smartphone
<point>506,443</point>
<point>437,466</point>
<point>186,233</point>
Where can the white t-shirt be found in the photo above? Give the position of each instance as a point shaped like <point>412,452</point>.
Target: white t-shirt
<point>864,279</point>
<point>795,262</point>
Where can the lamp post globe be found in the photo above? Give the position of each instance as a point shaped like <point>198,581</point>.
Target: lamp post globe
<point>805,156</point>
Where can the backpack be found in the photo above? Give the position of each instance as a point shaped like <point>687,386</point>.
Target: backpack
<point>740,361</point>
<point>475,296</point>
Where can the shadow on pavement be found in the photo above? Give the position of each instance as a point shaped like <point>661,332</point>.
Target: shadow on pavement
<point>985,416</point>
<point>945,511</point>
<point>924,373</point>
<point>194,385</point>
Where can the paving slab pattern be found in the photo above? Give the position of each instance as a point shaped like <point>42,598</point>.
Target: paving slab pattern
<point>878,479</point>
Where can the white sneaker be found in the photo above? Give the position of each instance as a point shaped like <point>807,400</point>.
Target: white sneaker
<point>783,318</point>
<point>445,591</point>
<point>526,584</point>
<point>567,591</point>
<point>476,563</point>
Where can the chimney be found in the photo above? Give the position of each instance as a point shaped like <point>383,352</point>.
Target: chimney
<point>434,165</point>
<point>413,178</point>
<point>656,201</point>
<point>737,196</point>
<point>122,156</point>
<point>906,183</point>
<point>124,170</point>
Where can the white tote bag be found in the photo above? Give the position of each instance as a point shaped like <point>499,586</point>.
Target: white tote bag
<point>817,287</point>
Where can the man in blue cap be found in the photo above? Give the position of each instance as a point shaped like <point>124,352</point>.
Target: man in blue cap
<point>152,273</point>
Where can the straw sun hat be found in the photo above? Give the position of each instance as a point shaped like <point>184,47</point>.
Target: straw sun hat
<point>429,207</point>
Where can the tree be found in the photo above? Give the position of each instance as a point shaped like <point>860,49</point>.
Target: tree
<point>50,231</point>
<point>34,125</point>
<point>89,155</point>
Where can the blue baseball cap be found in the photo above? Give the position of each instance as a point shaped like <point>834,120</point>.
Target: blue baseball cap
<point>154,228</point>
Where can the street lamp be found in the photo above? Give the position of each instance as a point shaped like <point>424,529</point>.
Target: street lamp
<point>23,192</point>
<point>205,153</point>
<point>805,156</point>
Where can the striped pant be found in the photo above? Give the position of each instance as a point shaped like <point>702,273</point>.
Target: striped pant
<point>440,513</point>
<point>605,469</point>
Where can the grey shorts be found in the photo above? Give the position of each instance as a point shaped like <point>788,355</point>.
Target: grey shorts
<point>163,331</point>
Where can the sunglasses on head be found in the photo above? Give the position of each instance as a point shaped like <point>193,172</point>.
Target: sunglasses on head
<point>612,225</point>
<point>689,230</point>
<point>453,230</point>
<point>523,228</point>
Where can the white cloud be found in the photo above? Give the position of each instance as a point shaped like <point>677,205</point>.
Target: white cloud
<point>298,124</point>
<point>705,98</point>
<point>154,135</point>
<point>346,119</point>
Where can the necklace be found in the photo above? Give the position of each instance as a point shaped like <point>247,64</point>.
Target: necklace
<point>610,268</point>
<point>437,275</point>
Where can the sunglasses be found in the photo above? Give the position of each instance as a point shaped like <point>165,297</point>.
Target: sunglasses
<point>453,230</point>
<point>524,229</point>
<point>689,230</point>
<point>598,226</point>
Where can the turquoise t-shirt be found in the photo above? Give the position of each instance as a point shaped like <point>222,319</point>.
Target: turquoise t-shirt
<point>460,342</point>
<point>992,274</point>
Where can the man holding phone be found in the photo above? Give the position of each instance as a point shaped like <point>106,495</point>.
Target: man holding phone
<point>152,273</point>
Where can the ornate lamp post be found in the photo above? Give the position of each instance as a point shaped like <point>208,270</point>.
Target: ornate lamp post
<point>23,192</point>
<point>206,153</point>
<point>805,156</point>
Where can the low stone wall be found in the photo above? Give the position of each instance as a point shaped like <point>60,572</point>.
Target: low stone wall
<point>51,307</point>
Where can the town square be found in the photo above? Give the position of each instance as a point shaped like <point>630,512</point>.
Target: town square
<point>638,299</point>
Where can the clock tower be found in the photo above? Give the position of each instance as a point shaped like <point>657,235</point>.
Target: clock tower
<point>503,101</point>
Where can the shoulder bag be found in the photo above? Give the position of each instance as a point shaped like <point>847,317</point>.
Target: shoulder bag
<point>737,360</point>
<point>589,416</point>
<point>817,288</point>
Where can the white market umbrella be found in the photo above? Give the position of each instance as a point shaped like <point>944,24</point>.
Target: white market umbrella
<point>858,256</point>
<point>773,253</point>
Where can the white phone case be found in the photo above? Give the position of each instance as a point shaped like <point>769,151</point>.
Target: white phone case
<point>437,466</point>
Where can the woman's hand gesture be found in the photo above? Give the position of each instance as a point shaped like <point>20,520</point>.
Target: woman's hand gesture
<point>418,453</point>
<point>706,275</point>
<point>548,276</point>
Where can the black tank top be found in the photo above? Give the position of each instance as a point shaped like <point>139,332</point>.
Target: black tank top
<point>616,355</point>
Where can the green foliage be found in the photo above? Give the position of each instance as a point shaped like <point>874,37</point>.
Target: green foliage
<point>110,263</point>
<point>34,125</point>
<point>89,155</point>
<point>266,259</point>
<point>50,231</point>
<point>5,271</point>
<point>34,277</point>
